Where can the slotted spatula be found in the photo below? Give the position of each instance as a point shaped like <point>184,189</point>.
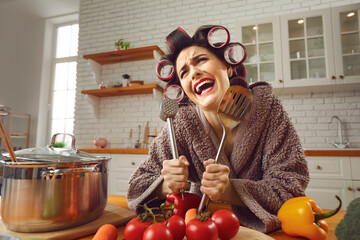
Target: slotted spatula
<point>233,108</point>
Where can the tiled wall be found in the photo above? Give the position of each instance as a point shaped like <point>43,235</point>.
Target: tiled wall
<point>147,22</point>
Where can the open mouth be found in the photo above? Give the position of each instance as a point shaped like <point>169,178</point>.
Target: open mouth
<point>203,86</point>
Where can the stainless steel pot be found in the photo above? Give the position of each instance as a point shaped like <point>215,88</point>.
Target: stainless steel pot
<point>51,189</point>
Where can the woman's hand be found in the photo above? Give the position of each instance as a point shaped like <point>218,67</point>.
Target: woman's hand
<point>215,182</point>
<point>175,174</point>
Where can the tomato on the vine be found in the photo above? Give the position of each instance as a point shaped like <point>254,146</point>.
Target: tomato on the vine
<point>157,231</point>
<point>227,223</point>
<point>177,226</point>
<point>196,229</point>
<point>135,229</point>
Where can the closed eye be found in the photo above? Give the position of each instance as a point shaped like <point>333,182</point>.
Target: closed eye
<point>182,74</point>
<point>202,59</point>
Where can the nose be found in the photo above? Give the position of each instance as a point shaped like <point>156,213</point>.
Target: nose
<point>195,73</point>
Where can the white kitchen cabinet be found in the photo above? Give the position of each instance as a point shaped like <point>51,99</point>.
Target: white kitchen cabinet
<point>355,167</point>
<point>261,38</point>
<point>311,51</point>
<point>323,191</point>
<point>330,176</point>
<point>346,39</point>
<point>120,169</point>
<point>307,48</point>
<point>356,186</point>
<point>355,173</point>
<point>322,47</point>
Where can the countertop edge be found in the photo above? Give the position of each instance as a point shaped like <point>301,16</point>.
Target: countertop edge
<point>308,152</point>
<point>116,150</point>
<point>329,152</point>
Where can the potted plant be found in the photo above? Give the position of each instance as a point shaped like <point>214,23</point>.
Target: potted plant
<point>121,44</point>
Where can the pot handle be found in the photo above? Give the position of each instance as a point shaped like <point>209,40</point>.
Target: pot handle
<point>53,138</point>
<point>61,171</point>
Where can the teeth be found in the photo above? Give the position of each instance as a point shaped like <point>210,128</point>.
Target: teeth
<point>200,84</point>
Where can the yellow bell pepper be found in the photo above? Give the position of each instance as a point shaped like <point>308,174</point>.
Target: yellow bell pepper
<point>301,217</point>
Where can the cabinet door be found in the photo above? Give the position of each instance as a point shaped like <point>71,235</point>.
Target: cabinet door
<point>323,191</point>
<point>307,48</point>
<point>120,169</point>
<point>119,182</point>
<point>261,38</point>
<point>329,167</point>
<point>355,168</point>
<point>121,162</point>
<point>356,186</point>
<point>346,35</point>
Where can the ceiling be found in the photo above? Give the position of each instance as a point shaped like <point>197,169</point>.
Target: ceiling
<point>45,8</point>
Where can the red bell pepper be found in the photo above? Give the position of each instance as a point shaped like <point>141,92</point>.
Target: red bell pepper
<point>178,204</point>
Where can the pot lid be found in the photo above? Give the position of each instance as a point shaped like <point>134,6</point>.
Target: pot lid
<point>51,154</point>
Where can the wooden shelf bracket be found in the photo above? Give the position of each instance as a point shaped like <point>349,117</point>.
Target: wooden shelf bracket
<point>96,70</point>
<point>95,103</point>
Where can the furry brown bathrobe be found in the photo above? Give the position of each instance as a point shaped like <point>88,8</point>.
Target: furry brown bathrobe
<point>267,165</point>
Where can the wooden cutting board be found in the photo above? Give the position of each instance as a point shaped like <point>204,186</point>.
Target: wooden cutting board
<point>250,234</point>
<point>112,214</point>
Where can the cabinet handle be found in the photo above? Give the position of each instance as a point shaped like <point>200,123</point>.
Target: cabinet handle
<point>318,167</point>
<point>133,163</point>
<point>358,189</point>
<point>341,77</point>
<point>333,77</point>
<point>280,81</point>
<point>350,188</point>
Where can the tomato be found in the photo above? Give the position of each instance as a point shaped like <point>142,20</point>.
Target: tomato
<point>177,226</point>
<point>157,231</point>
<point>197,229</point>
<point>227,223</point>
<point>135,229</point>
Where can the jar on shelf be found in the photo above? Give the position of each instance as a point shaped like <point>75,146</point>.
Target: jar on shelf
<point>125,79</point>
<point>116,83</point>
<point>102,85</point>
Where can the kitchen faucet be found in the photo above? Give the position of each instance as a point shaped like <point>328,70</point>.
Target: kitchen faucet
<point>339,144</point>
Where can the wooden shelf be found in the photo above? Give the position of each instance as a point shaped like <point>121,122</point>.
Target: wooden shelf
<point>133,54</point>
<point>15,135</point>
<point>123,91</point>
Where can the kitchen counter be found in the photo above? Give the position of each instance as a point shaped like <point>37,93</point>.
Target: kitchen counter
<point>116,150</point>
<point>308,152</point>
<point>278,235</point>
<point>332,152</point>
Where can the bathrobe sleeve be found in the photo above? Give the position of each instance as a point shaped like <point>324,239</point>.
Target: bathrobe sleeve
<point>147,177</point>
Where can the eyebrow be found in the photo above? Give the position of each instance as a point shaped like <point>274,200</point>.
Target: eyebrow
<point>192,60</point>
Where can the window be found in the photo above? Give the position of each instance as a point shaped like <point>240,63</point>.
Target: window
<point>63,90</point>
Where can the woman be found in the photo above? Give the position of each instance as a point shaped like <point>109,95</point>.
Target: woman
<point>262,165</point>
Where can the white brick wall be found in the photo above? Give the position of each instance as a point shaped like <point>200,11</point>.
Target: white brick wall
<point>147,22</point>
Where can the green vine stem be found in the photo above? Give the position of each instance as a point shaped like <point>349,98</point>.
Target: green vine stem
<point>319,216</point>
<point>148,212</point>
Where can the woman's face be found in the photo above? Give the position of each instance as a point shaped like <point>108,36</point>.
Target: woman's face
<point>203,76</point>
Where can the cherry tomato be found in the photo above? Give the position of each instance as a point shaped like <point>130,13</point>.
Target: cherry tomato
<point>157,231</point>
<point>227,223</point>
<point>197,229</point>
<point>177,226</point>
<point>135,229</point>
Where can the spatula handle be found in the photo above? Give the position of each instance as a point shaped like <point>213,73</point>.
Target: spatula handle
<point>174,149</point>
<point>205,199</point>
